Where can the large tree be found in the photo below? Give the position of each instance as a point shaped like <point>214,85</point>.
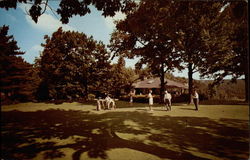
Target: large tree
<point>149,38</point>
<point>16,77</point>
<point>226,38</point>
<point>69,8</point>
<point>121,78</point>
<point>70,64</point>
<point>168,32</point>
<point>188,29</point>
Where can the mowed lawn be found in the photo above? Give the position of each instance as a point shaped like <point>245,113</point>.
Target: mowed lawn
<point>77,131</point>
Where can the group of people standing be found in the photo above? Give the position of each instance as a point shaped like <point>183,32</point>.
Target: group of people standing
<point>109,103</point>
<point>106,103</point>
<point>167,100</point>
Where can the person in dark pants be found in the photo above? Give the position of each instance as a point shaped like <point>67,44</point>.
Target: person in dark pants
<point>167,100</point>
<point>195,97</point>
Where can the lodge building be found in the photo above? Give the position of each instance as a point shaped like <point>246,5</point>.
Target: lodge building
<point>142,87</point>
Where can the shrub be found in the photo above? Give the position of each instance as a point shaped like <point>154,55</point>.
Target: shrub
<point>144,98</point>
<point>223,102</point>
<point>140,98</point>
<point>91,97</point>
<point>180,98</point>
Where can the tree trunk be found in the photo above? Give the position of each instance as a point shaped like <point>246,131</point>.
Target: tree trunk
<point>86,88</point>
<point>162,83</point>
<point>190,81</point>
<point>118,93</point>
<point>246,86</point>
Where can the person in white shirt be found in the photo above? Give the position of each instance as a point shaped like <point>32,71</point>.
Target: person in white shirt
<point>131,95</point>
<point>167,100</point>
<point>195,97</point>
<point>110,102</point>
<point>150,100</point>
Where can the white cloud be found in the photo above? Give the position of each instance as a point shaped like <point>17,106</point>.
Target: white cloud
<point>24,7</point>
<point>109,21</point>
<point>36,48</point>
<point>32,53</point>
<point>46,22</point>
<point>12,18</point>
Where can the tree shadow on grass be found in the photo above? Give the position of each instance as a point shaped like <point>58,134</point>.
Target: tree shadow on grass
<point>25,134</point>
<point>188,109</point>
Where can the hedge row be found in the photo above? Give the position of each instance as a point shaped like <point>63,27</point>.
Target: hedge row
<point>144,98</point>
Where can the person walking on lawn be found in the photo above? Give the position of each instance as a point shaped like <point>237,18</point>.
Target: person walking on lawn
<point>150,100</point>
<point>195,97</point>
<point>167,100</point>
<point>131,95</point>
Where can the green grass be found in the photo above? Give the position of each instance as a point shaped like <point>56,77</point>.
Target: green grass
<point>77,131</point>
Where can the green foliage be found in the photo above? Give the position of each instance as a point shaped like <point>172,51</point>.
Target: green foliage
<point>69,8</point>
<point>91,97</point>
<point>200,34</point>
<point>174,78</point>
<point>148,37</point>
<point>211,91</point>
<point>71,64</point>
<point>17,80</point>
<point>226,42</point>
<point>140,98</point>
<point>163,34</point>
<point>121,78</point>
<point>144,99</point>
<point>225,91</point>
<point>143,72</point>
<point>225,38</point>
<point>188,32</point>
<point>8,45</point>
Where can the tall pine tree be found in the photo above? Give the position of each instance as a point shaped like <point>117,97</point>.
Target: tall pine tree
<point>16,81</point>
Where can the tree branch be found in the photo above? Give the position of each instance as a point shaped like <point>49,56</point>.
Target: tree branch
<point>141,42</point>
<point>46,3</point>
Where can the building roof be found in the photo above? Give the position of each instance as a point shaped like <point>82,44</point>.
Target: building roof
<point>156,83</point>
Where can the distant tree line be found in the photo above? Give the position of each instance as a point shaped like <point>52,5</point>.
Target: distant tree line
<point>225,91</point>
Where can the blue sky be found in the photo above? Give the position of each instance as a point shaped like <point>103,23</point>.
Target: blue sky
<point>29,35</point>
